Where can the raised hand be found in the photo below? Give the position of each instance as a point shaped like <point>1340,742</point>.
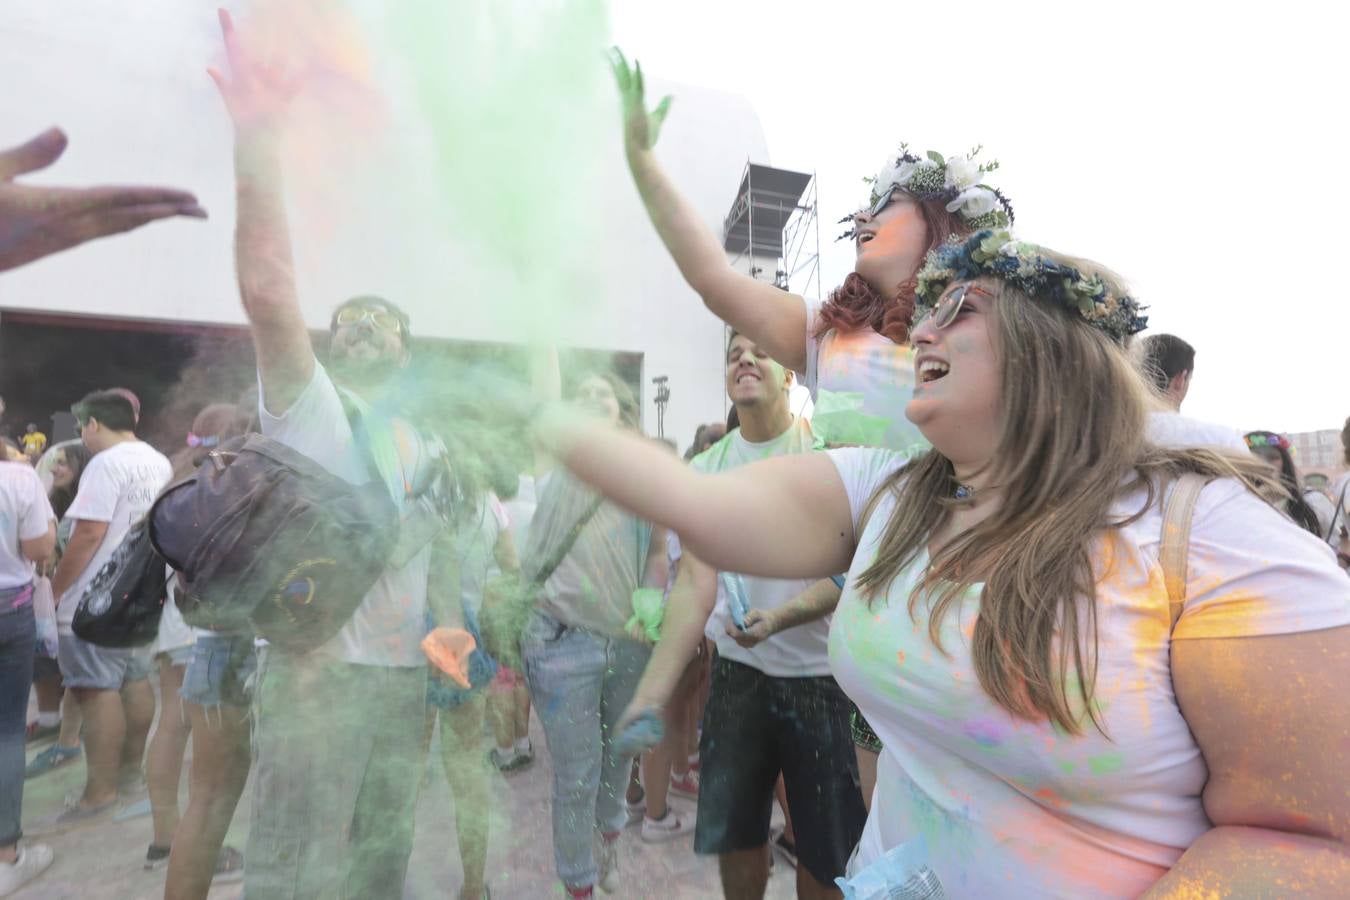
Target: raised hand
<point>257,94</point>
<point>36,220</point>
<point>640,127</point>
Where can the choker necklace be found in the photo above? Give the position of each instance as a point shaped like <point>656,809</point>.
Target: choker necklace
<point>964,494</point>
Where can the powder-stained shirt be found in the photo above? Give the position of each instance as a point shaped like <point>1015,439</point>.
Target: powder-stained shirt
<point>592,588</point>
<point>861,382</point>
<point>387,628</point>
<point>797,652</point>
<point>1010,807</point>
<point>25,515</point>
<point>117,487</point>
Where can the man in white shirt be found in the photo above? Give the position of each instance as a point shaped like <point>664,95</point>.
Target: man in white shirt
<point>773,707</point>
<point>338,731</point>
<point>117,488</point>
<point>1169,362</point>
<point>27,535</point>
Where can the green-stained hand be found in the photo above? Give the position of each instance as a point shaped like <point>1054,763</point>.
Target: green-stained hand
<point>759,627</point>
<point>640,127</point>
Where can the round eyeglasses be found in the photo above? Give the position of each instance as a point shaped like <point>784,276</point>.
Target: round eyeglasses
<point>949,304</point>
<point>383,319</point>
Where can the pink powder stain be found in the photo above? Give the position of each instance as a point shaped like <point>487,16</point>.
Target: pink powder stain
<point>987,732</point>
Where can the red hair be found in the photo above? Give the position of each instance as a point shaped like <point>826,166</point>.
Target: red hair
<point>855,304</point>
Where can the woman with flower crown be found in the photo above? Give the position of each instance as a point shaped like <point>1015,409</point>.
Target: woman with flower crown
<point>1077,645</point>
<point>852,351</point>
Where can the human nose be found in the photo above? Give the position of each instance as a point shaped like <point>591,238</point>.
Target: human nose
<point>924,331</point>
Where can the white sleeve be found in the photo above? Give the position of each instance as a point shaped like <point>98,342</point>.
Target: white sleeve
<point>96,499</point>
<point>808,377</point>
<point>1251,571</point>
<point>316,425</point>
<point>37,513</point>
<point>863,469</point>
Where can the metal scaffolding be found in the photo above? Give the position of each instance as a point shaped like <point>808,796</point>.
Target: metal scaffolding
<point>772,232</point>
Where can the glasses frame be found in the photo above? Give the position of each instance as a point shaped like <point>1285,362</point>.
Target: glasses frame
<point>949,304</point>
<point>383,318</point>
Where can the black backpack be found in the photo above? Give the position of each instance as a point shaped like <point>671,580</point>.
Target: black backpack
<point>267,540</point>
<point>121,605</point>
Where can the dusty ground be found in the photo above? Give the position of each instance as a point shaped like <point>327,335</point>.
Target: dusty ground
<point>105,862</point>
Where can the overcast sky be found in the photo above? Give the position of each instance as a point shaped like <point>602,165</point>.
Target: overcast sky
<point>1193,147</point>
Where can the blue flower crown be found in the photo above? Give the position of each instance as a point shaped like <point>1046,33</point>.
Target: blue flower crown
<point>995,254</point>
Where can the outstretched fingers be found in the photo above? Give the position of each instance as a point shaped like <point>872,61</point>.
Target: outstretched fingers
<point>35,153</point>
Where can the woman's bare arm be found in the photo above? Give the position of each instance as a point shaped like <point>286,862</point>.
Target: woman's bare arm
<point>772,318</point>
<point>786,517</point>
<point>1270,716</point>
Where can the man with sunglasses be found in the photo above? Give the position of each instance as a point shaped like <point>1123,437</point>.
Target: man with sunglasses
<point>338,731</point>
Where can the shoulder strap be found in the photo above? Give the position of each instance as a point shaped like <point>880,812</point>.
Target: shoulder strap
<point>1176,539</point>
<point>566,546</point>
<point>1339,514</point>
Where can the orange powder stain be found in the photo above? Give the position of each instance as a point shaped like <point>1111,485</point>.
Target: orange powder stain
<point>1049,797</point>
<point>900,657</point>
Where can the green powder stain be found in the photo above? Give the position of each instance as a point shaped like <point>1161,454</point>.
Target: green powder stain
<point>1066,766</point>
<point>526,136</point>
<point>1106,763</point>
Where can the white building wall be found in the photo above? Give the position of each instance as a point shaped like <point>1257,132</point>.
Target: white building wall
<point>127,82</point>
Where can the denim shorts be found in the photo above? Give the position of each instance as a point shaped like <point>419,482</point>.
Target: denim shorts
<point>86,665</point>
<point>221,670</point>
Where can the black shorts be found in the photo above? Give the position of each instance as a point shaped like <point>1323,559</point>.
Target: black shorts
<point>755,727</point>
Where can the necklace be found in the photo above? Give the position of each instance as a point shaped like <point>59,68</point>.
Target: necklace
<point>965,494</point>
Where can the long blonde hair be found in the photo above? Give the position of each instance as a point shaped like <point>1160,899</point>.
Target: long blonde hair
<point>1071,444</point>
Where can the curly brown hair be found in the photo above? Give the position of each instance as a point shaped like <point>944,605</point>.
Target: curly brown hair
<point>855,304</point>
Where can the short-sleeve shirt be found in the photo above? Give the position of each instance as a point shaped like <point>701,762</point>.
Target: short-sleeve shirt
<point>797,652</point>
<point>25,515</point>
<point>117,487</point>
<point>388,626</point>
<point>861,383</point>
<point>592,587</point>
<point>1010,807</point>
<point>34,442</point>
<point>1172,429</point>
<point>476,543</point>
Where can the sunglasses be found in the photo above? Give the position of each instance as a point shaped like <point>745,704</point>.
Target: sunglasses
<point>383,319</point>
<point>944,313</point>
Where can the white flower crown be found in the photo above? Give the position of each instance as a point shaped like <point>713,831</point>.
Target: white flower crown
<point>955,179</point>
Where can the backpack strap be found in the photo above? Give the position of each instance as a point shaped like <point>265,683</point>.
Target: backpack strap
<point>1176,538</point>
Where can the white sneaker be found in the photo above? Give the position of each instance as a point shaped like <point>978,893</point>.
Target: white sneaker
<point>33,860</point>
<point>607,856</point>
<point>654,831</point>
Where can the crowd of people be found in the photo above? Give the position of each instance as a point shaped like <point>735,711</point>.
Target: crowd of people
<point>1004,622</point>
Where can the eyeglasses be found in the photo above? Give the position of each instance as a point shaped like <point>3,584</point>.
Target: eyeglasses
<point>383,319</point>
<point>944,313</point>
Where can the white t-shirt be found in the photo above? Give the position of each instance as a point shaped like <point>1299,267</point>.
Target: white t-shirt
<point>861,383</point>
<point>475,543</point>
<point>797,652</point>
<point>388,627</point>
<point>1172,429</point>
<point>520,511</point>
<point>25,515</point>
<point>118,487</point>
<point>1009,807</point>
<point>173,633</point>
